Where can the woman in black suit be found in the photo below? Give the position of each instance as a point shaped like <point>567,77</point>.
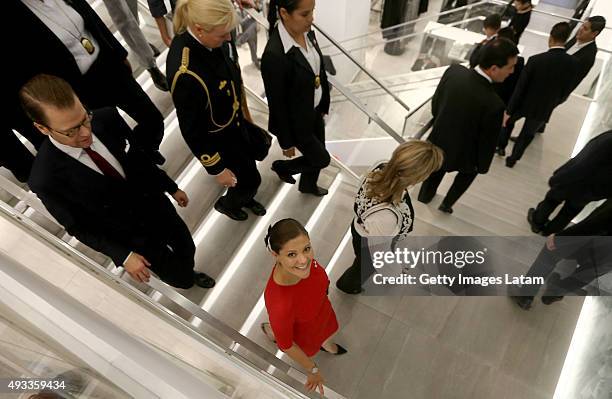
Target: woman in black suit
<point>298,93</point>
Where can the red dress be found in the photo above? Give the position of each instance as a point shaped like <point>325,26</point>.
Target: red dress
<point>301,313</point>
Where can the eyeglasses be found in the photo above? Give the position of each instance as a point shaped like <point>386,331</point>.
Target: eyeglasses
<point>73,131</point>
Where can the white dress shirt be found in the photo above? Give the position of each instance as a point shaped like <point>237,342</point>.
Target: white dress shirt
<point>310,53</point>
<point>68,26</point>
<point>577,46</point>
<point>80,155</point>
<point>479,70</point>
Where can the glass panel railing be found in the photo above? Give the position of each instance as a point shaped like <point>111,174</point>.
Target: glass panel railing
<point>208,330</point>
<point>27,363</point>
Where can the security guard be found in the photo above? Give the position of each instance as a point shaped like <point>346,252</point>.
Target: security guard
<point>206,85</point>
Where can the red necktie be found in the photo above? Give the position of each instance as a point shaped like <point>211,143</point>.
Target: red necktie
<point>106,168</point>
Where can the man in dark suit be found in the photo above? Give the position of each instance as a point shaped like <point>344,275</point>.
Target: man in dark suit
<point>467,117</point>
<point>109,199</point>
<point>586,177</point>
<point>587,243</point>
<point>583,47</point>
<point>544,84</point>
<point>66,38</point>
<point>490,26</point>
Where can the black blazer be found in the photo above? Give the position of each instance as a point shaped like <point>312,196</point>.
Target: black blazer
<point>589,174</point>
<point>585,58</point>
<point>209,121</point>
<point>506,88</point>
<point>467,120</point>
<point>40,51</point>
<point>105,213</point>
<point>545,82</point>
<point>289,83</point>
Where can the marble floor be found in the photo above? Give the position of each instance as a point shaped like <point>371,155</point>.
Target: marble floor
<point>399,347</point>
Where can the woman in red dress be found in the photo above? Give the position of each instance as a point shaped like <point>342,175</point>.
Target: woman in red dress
<point>302,320</point>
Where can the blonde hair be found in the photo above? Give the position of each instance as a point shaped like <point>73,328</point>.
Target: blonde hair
<point>207,13</point>
<point>411,163</point>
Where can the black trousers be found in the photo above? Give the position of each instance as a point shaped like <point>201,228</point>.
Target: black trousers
<point>314,157</point>
<point>353,278</point>
<point>528,132</point>
<point>460,185</point>
<point>108,83</point>
<point>170,249</point>
<point>249,179</point>
<point>570,209</point>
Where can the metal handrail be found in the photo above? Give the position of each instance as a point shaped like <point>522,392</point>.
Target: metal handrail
<point>413,112</point>
<point>113,281</point>
<point>265,24</point>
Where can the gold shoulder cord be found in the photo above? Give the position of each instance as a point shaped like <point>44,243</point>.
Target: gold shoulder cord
<point>183,69</point>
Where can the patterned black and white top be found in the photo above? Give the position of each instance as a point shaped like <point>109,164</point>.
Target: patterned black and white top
<point>367,209</point>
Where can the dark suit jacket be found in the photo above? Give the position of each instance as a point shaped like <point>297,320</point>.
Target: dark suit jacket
<point>588,175</point>
<point>40,51</point>
<point>209,123</point>
<point>506,88</point>
<point>467,120</point>
<point>546,81</point>
<point>105,213</point>
<point>289,83</point>
<point>585,57</point>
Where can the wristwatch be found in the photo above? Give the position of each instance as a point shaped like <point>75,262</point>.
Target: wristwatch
<point>314,370</point>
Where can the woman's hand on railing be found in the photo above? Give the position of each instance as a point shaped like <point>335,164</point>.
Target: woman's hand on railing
<point>315,382</point>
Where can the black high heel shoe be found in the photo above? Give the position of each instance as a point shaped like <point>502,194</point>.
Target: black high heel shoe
<point>341,350</point>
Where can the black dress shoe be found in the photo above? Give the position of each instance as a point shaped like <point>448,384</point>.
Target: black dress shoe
<point>524,302</point>
<point>513,139</point>
<point>501,152</point>
<point>156,51</point>
<point>157,158</point>
<point>445,208</point>
<point>347,290</point>
<point>317,191</point>
<point>530,218</point>
<point>238,214</point>
<point>341,350</point>
<point>284,176</point>
<point>548,299</point>
<point>159,79</point>
<point>424,200</point>
<point>203,280</point>
<point>510,162</point>
<point>255,207</point>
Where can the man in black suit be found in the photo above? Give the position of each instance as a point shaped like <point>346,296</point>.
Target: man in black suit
<point>490,26</point>
<point>586,177</point>
<point>588,243</point>
<point>544,84</point>
<point>467,117</point>
<point>66,38</point>
<point>109,199</point>
<point>583,47</point>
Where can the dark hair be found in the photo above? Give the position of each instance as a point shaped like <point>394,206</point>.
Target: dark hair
<point>276,5</point>
<point>560,32</point>
<point>492,21</point>
<point>507,33</point>
<point>497,52</point>
<point>598,23</point>
<point>45,89</point>
<point>283,231</point>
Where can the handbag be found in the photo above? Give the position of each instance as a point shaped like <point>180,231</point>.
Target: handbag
<point>257,140</point>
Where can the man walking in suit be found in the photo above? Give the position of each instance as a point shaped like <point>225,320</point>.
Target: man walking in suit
<point>109,199</point>
<point>546,82</point>
<point>586,177</point>
<point>490,26</point>
<point>68,39</point>
<point>583,47</point>
<point>467,117</point>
